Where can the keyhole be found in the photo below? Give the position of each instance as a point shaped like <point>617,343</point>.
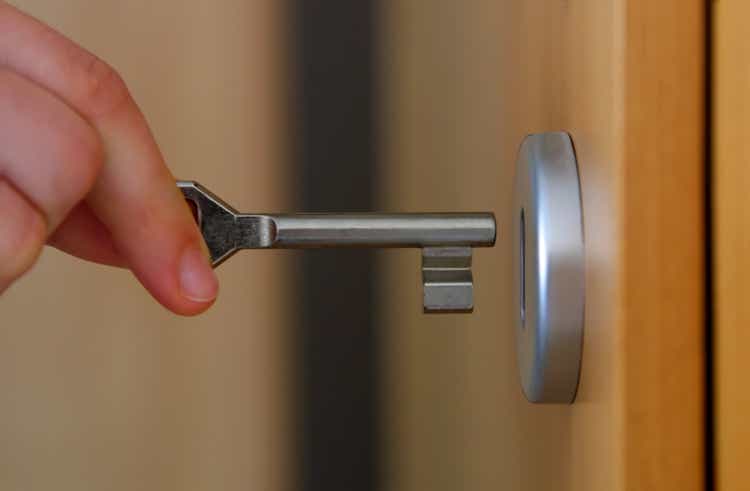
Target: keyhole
<point>522,286</point>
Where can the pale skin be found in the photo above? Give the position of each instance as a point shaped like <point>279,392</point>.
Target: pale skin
<point>80,171</point>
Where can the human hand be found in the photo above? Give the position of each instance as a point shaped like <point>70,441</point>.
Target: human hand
<point>80,170</point>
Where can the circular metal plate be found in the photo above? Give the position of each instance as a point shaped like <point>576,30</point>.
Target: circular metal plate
<point>548,265</point>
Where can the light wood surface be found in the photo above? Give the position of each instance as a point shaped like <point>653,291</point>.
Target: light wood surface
<point>101,388</point>
<point>665,234</point>
<point>464,82</point>
<point>731,214</point>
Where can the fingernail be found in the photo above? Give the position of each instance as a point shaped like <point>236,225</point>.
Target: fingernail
<point>197,279</point>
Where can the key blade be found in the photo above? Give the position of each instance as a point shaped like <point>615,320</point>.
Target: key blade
<point>447,280</point>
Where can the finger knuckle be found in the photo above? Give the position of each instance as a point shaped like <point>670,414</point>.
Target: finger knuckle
<point>8,85</point>
<point>101,90</point>
<point>84,158</point>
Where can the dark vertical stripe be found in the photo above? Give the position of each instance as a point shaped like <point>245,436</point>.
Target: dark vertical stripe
<point>710,421</point>
<point>333,121</point>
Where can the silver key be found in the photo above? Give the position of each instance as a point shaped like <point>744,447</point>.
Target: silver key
<point>446,239</point>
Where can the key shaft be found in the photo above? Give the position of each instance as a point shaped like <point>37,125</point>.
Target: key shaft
<point>415,230</point>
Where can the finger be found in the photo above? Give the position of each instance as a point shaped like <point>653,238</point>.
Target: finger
<point>22,234</point>
<point>83,235</point>
<point>47,151</point>
<point>135,195</point>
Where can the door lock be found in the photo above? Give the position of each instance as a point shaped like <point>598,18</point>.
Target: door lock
<point>446,239</point>
<point>549,268</point>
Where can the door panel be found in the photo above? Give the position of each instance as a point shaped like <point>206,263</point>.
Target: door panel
<point>464,83</point>
<point>101,388</point>
<point>731,239</point>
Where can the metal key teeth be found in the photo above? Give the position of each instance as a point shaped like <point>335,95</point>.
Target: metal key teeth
<point>446,239</point>
<point>447,280</point>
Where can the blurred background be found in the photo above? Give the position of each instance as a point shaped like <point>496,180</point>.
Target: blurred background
<point>315,370</point>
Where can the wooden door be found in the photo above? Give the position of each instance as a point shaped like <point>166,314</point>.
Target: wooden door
<point>731,242</point>
<point>100,387</point>
<point>463,83</point>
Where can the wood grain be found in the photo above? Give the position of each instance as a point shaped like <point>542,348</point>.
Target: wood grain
<point>731,214</point>
<point>664,237</point>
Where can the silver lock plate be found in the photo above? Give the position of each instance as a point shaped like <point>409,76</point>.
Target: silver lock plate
<point>548,249</point>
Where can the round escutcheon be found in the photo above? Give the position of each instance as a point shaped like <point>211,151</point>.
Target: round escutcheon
<point>548,263</point>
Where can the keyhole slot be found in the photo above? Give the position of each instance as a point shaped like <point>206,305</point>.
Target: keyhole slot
<point>522,259</point>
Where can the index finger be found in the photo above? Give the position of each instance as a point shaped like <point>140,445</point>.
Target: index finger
<point>135,195</point>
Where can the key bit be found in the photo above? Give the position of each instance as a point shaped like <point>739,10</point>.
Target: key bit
<point>446,239</point>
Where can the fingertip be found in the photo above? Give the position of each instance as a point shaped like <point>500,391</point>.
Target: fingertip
<point>198,282</point>
<point>192,308</point>
<point>22,234</point>
<point>184,283</point>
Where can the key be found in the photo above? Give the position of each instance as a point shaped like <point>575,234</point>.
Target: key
<point>446,239</point>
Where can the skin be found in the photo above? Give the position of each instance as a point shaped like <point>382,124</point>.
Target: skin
<point>80,171</point>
